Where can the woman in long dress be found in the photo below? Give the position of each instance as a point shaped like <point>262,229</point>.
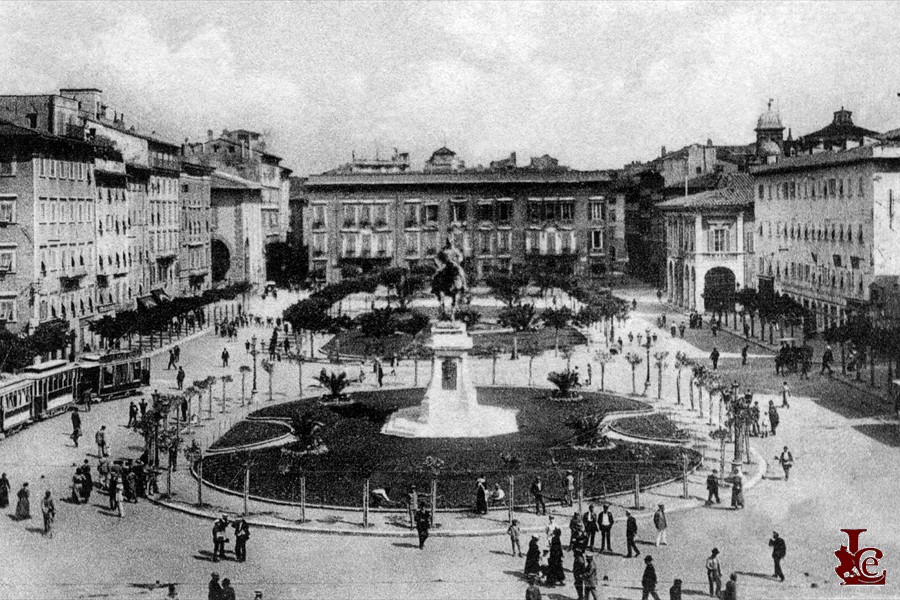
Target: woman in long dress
<point>555,572</point>
<point>4,491</point>
<point>481,498</point>
<point>23,508</point>
<point>737,491</point>
<point>533,558</point>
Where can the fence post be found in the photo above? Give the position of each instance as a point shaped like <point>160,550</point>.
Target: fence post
<point>200,481</point>
<point>366,504</point>
<point>637,491</point>
<point>434,502</point>
<point>684,474</point>
<point>511,503</point>
<point>246,488</point>
<point>303,499</point>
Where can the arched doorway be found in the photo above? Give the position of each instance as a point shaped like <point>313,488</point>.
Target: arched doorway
<point>719,289</point>
<point>221,260</point>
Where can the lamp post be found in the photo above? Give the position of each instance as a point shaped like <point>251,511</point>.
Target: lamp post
<point>647,345</point>
<point>253,352</point>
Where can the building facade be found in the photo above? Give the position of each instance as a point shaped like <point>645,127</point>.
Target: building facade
<point>194,200</point>
<point>238,233</point>
<point>828,227</point>
<point>497,218</point>
<point>710,245</point>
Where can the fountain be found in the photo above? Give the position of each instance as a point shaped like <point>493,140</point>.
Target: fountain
<point>450,408</point>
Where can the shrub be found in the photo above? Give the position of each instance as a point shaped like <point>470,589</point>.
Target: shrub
<point>520,317</point>
<point>565,382</point>
<point>334,383</point>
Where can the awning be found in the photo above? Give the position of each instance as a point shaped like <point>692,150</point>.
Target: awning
<point>160,296</point>
<point>146,302</point>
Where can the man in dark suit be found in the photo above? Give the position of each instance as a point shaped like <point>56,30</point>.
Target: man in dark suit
<point>590,526</point>
<point>649,580</point>
<point>604,523</point>
<point>630,534</point>
<point>712,486</point>
<point>779,551</point>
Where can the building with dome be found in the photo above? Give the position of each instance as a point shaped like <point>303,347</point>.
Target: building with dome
<point>769,135</point>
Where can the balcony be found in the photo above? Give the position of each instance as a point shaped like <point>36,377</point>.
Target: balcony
<point>321,224</point>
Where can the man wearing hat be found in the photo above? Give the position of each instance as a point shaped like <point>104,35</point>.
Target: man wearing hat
<point>589,578</point>
<point>215,588</point>
<point>537,491</point>
<point>533,592</point>
<point>779,551</point>
<point>590,526</point>
<point>712,488</point>
<point>659,521</point>
<point>569,483</point>
<point>630,533</point>
<point>649,580</point>
<point>714,573</point>
<point>218,531</point>
<point>604,523</point>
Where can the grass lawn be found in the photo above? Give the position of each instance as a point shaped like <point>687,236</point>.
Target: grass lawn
<point>357,449</point>
<point>354,343</point>
<point>247,432</point>
<point>650,426</point>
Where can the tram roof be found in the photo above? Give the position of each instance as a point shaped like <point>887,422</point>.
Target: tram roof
<point>50,366</point>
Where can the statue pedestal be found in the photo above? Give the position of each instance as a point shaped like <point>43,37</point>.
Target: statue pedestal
<point>450,408</point>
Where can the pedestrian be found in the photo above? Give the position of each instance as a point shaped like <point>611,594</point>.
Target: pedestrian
<point>215,588</point>
<point>380,374</point>
<point>579,568</point>
<point>744,352</point>
<point>412,504</point>
<point>779,551</point>
<point>87,481</point>
<point>577,537</point>
<point>179,378</point>
<point>533,592</point>
<point>630,337</point>
<point>754,419</point>
<point>185,407</point>
<point>731,588</point>
<point>132,414</point>
<point>589,579</point>
<point>172,360</point>
<point>120,498</point>
<point>764,424</point>
<point>76,423</point>
<point>423,525</point>
<point>675,590</point>
<point>172,593</point>
<point>604,523</point>
<point>49,511</point>
<point>549,531</point>
<point>827,359</point>
<point>774,419</point>
<point>227,590</point>
<point>714,357</point>
<point>569,485</point>
<point>515,531</point>
<point>649,581</point>
<point>714,573</point>
<point>112,487</point>
<point>785,394</point>
<point>590,526</point>
<point>555,573</point>
<point>225,356</point>
<point>103,473</point>
<point>712,488</point>
<point>220,525</point>
<point>681,329</point>
<point>75,495</point>
<point>481,506</point>
<point>673,331</point>
<point>287,345</point>
<point>537,492</point>
<point>4,491</point>
<point>23,507</point>
<point>631,529</point>
<point>100,439</point>
<point>76,434</point>
<point>659,521</point>
<point>498,496</point>
<point>787,461</point>
<point>130,481</point>
<point>737,491</point>
<point>590,374</point>
<point>746,329</point>
<point>143,406</point>
<point>177,351</point>
<point>533,558</point>
<point>247,346</point>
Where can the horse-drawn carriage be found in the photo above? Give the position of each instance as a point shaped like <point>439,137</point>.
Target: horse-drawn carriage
<point>791,358</point>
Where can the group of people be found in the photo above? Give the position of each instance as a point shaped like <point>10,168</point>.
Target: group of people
<point>23,504</point>
<point>220,538</point>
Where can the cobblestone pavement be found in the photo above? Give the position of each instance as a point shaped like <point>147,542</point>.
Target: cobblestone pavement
<point>846,470</point>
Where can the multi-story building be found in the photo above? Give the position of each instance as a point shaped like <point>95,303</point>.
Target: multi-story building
<point>48,254</point>
<point>361,219</point>
<point>115,252</point>
<point>828,227</point>
<point>165,216</point>
<point>237,250</point>
<point>196,216</point>
<point>709,237</point>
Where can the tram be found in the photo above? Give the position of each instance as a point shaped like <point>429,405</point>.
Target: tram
<point>115,374</point>
<point>16,398</point>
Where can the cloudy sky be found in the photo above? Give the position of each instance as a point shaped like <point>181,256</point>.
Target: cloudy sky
<point>595,84</point>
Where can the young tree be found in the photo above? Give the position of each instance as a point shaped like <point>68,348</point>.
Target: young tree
<point>225,379</point>
<point>568,352</point>
<point>698,371</point>
<point>244,369</point>
<point>633,359</point>
<point>659,360</point>
<point>603,357</point>
<point>519,318</point>
<point>557,318</point>
<point>531,349</point>
<point>509,288</point>
<point>417,351</point>
<point>269,367</point>
<point>469,316</point>
<point>682,361</point>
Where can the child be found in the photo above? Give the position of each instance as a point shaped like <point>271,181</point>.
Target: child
<point>764,425</point>
<point>785,394</point>
<point>514,532</point>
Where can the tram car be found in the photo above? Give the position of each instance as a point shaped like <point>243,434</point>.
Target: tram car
<point>16,398</point>
<point>115,374</point>
<point>55,386</point>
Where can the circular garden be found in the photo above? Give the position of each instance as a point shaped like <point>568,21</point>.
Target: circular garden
<point>553,436</point>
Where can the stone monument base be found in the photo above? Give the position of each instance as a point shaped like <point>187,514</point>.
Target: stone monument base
<point>450,408</point>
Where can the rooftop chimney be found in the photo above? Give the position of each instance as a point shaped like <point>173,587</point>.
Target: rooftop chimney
<point>209,134</point>
<point>662,152</point>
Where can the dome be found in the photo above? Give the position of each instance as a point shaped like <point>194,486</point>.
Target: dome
<point>769,119</point>
<point>769,148</point>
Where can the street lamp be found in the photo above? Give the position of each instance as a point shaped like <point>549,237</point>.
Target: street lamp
<point>253,352</point>
<point>648,356</point>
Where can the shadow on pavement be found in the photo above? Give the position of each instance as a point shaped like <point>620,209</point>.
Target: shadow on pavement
<point>757,575</point>
<point>405,545</point>
<point>886,433</point>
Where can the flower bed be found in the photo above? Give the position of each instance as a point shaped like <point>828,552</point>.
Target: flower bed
<point>250,432</point>
<point>358,450</point>
<point>655,426</point>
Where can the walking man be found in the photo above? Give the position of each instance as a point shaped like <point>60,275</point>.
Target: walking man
<point>179,378</point>
<point>515,532</point>
<point>100,438</point>
<point>744,351</point>
<point>714,357</point>
<point>76,424</point>
<point>590,374</point>
<point>773,417</point>
<point>659,521</point>
<point>779,551</point>
<point>218,532</point>
<point>537,491</point>
<point>589,579</point>
<point>380,375</point>
<point>714,573</point>
<point>712,488</point>
<point>785,394</point>
<point>241,535</point>
<point>225,356</point>
<point>590,526</point>
<point>49,511</point>
<point>172,360</point>
<point>630,533</point>
<point>132,414</point>
<point>569,483</point>
<point>827,359</point>
<point>648,581</point>
<point>605,524</point>
<point>423,525</point>
<point>787,461</point>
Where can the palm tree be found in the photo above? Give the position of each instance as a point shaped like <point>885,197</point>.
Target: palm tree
<point>269,367</point>
<point>681,362</point>
<point>568,352</point>
<point>557,318</point>
<point>225,379</point>
<point>335,383</point>
<point>714,386</point>
<point>417,351</point>
<point>603,357</point>
<point>245,370</point>
<point>697,372</point>
<point>531,349</point>
<point>634,359</point>
<point>659,360</point>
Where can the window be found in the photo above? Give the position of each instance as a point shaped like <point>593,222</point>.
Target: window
<point>411,241</point>
<point>504,211</point>
<point>7,210</point>
<point>457,212</point>
<point>381,215</point>
<point>319,244</point>
<point>431,214</point>
<point>7,309</point>
<point>349,215</point>
<point>832,187</point>
<point>318,217</point>
<point>534,210</point>
<point>762,192</point>
<point>411,214</point>
<point>503,241</point>
<point>597,239</point>
<point>598,211</point>
<point>566,210</point>
<point>7,168</point>
<point>485,211</point>
<point>7,260</point>
<point>719,240</point>
<point>485,244</point>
